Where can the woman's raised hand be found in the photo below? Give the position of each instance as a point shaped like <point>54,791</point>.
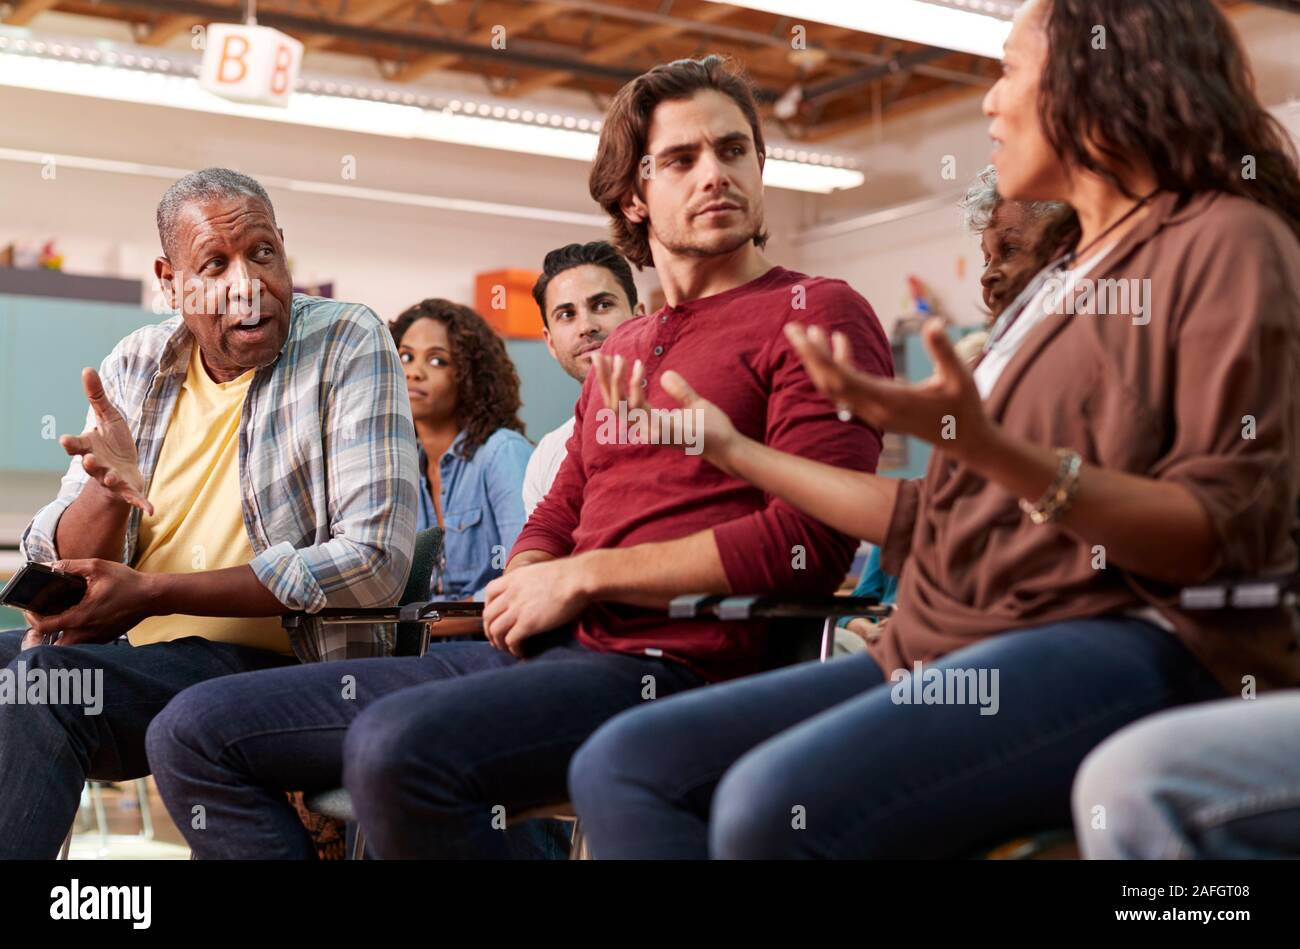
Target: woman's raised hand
<point>945,410</point>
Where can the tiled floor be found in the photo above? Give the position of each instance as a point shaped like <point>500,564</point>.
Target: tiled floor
<point>120,837</point>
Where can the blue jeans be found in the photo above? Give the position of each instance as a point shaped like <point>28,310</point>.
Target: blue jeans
<point>48,749</point>
<point>828,760</point>
<point>438,752</point>
<point>1219,781</point>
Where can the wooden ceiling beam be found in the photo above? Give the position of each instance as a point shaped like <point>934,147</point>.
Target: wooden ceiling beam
<point>618,50</point>
<point>27,11</point>
<point>526,20</point>
<point>164,29</point>
<point>925,100</point>
<point>361,13</point>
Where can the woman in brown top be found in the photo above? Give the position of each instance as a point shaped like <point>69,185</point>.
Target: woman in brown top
<point>1132,427</point>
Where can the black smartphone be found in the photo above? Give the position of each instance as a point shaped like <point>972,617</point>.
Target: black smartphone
<point>43,591</point>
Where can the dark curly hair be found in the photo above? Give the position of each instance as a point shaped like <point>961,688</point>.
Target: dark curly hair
<point>1173,90</point>
<point>487,385</point>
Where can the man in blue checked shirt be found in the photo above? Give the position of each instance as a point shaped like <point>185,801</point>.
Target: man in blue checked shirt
<point>252,455</point>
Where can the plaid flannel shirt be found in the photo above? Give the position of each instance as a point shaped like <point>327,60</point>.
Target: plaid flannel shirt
<point>327,464</point>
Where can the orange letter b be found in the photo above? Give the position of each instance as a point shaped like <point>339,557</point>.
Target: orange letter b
<point>280,75</point>
<point>236,58</point>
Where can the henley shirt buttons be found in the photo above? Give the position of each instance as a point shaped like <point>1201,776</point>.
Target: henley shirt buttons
<point>659,350</point>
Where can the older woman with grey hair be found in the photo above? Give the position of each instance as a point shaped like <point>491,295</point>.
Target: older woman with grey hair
<point>1003,228</point>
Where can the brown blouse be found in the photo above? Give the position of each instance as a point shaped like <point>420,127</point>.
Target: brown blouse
<point>1176,398</point>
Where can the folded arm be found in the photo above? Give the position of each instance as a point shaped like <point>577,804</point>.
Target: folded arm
<point>369,445</point>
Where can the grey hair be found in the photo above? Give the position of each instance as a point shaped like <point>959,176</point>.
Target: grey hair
<point>204,185</point>
<point>982,199</point>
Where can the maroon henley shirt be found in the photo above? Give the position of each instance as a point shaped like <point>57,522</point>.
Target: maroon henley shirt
<point>733,351</point>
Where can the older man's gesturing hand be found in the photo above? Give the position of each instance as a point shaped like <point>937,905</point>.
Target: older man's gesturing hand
<point>533,599</point>
<point>108,450</point>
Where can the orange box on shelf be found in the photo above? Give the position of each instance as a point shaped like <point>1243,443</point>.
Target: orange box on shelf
<point>505,299</point>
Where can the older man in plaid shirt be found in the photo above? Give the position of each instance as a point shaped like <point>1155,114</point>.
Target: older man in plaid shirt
<point>250,456</point>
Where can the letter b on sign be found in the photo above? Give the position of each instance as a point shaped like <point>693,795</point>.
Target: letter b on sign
<point>284,70</point>
<point>232,64</point>
<point>250,64</point>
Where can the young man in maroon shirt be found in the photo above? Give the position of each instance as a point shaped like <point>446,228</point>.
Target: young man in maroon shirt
<point>439,752</point>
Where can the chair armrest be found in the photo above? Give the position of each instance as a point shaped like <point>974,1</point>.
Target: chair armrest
<point>427,611</point>
<point>697,605</point>
<point>692,605</point>
<point>1256,594</point>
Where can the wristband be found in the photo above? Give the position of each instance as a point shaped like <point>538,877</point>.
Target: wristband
<point>1058,497</point>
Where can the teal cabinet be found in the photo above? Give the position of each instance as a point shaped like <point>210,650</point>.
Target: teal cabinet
<point>547,391</point>
<point>44,343</point>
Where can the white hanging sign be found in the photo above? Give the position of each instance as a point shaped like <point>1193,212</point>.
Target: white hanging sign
<point>250,63</point>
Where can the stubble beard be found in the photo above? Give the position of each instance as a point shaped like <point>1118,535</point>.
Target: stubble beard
<point>687,248</point>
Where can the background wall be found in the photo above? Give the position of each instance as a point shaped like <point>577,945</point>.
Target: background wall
<point>388,256</point>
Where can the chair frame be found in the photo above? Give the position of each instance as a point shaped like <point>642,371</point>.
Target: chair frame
<point>694,606</point>
<point>829,609</point>
<point>1234,594</point>
<point>1259,593</point>
<point>427,613</point>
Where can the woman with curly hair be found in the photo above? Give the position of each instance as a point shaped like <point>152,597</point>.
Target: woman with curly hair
<point>464,395</point>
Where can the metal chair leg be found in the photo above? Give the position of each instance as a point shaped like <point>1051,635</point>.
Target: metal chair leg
<point>578,843</point>
<point>101,817</point>
<point>85,820</point>
<point>79,818</point>
<point>95,793</point>
<point>146,818</point>
<point>828,638</point>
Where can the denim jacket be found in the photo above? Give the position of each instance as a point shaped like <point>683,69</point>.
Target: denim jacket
<point>482,510</point>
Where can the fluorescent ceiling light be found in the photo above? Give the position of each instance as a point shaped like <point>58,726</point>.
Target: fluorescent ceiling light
<point>330,189</point>
<point>913,20</point>
<point>549,134</point>
<point>820,179</point>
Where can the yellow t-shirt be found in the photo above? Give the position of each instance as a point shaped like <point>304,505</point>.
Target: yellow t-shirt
<point>198,520</point>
